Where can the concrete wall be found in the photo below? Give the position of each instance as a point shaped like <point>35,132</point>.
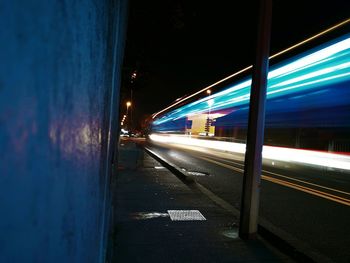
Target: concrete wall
<point>59,88</point>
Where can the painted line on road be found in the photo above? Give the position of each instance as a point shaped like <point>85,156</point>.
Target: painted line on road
<point>266,229</point>
<point>291,178</point>
<point>308,183</point>
<point>305,189</point>
<point>184,148</point>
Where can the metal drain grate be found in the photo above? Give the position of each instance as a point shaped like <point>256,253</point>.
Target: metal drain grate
<point>185,215</point>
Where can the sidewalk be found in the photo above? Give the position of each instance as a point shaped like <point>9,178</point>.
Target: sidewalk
<point>144,231</point>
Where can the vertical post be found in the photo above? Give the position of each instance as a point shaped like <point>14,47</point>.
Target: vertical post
<point>255,137</point>
<point>128,122</point>
<point>133,104</point>
<point>207,123</point>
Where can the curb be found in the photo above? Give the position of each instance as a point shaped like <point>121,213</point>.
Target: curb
<point>292,249</point>
<point>171,167</point>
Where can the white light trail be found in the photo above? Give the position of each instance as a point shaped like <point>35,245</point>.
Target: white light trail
<point>317,158</point>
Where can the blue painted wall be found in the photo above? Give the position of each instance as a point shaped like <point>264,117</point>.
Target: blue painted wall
<point>59,88</point>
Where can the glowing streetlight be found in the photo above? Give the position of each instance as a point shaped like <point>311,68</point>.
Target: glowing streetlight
<point>128,104</point>
<point>208,91</point>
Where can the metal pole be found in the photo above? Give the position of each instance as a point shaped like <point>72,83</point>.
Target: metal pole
<point>127,118</point>
<point>132,105</point>
<point>255,137</point>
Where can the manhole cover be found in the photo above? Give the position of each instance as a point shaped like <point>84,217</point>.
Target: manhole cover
<point>185,215</point>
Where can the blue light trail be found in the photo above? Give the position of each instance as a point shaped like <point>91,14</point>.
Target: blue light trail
<point>322,73</point>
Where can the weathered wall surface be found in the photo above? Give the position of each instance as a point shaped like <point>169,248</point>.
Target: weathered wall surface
<point>59,86</point>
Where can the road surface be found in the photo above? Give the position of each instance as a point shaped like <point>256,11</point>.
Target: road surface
<point>306,204</point>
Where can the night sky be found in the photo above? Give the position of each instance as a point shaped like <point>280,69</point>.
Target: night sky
<point>178,47</point>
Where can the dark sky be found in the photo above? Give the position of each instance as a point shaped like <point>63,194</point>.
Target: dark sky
<point>178,47</point>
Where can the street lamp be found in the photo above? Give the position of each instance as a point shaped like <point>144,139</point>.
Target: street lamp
<point>123,120</point>
<point>208,122</point>
<point>128,104</point>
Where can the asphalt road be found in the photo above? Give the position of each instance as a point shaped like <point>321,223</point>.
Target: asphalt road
<point>305,205</point>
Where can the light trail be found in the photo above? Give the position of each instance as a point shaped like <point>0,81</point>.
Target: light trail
<point>319,193</point>
<point>317,158</point>
<point>177,102</point>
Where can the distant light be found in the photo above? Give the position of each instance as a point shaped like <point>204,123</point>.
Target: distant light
<point>134,75</point>
<point>208,91</point>
<point>128,104</point>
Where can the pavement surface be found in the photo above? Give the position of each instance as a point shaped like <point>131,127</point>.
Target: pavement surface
<point>298,203</point>
<point>143,230</point>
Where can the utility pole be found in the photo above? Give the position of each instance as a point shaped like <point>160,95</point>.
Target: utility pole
<point>255,137</point>
<point>131,120</point>
<point>133,78</point>
<point>128,104</point>
<point>208,121</point>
